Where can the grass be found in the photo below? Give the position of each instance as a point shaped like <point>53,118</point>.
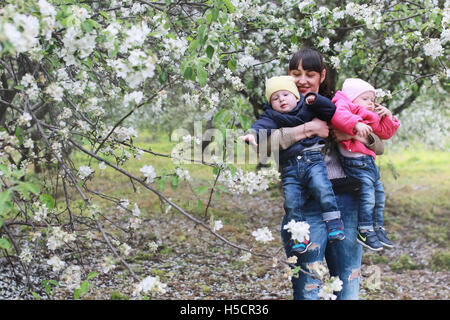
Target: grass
<point>417,186</point>
<point>416,182</point>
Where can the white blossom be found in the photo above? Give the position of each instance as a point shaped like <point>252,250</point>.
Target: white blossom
<point>245,257</point>
<point>24,120</point>
<point>152,246</point>
<point>149,173</point>
<point>26,255</point>
<point>125,249</point>
<point>217,225</point>
<point>149,285</point>
<point>58,238</point>
<point>84,172</point>
<point>299,230</point>
<point>72,277</point>
<point>108,264</point>
<point>46,9</point>
<point>433,48</point>
<point>327,290</point>
<point>183,174</point>
<point>55,91</point>
<point>263,234</point>
<point>135,96</point>
<point>56,263</point>
<point>41,213</point>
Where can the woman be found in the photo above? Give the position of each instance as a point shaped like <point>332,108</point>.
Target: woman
<point>343,257</point>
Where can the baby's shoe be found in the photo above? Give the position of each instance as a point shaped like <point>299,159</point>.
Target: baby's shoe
<point>369,240</point>
<point>382,237</point>
<point>335,230</point>
<point>301,247</point>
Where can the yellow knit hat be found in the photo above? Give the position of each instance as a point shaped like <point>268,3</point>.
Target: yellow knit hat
<point>275,84</point>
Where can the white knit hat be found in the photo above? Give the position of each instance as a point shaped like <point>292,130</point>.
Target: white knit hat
<point>354,87</point>
<point>275,84</point>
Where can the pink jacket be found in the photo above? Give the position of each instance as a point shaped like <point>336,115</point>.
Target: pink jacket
<point>348,114</point>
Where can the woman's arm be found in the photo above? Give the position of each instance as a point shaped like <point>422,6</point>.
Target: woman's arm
<point>288,136</point>
<point>372,141</point>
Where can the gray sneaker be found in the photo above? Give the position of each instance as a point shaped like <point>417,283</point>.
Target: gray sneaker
<point>369,240</point>
<point>382,237</point>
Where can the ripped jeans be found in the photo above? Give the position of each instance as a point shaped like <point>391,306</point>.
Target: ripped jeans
<point>343,257</point>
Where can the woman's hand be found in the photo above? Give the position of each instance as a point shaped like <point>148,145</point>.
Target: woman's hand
<point>316,127</point>
<point>362,129</point>
<point>342,136</point>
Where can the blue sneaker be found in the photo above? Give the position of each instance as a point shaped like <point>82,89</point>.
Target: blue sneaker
<point>369,240</point>
<point>301,247</point>
<point>382,237</point>
<point>335,230</point>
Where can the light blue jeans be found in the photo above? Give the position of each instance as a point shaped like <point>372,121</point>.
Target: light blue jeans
<point>343,258</point>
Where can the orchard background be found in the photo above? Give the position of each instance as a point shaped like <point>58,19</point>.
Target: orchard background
<point>95,200</point>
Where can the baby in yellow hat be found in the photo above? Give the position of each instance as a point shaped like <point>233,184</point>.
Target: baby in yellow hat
<point>303,168</point>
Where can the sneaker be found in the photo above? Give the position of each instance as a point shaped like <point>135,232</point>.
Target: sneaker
<point>301,247</point>
<point>369,240</point>
<point>335,229</point>
<point>382,237</point>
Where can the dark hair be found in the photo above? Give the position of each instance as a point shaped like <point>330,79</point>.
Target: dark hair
<point>312,60</point>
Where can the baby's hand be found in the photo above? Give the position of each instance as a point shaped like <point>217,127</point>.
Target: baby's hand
<point>250,138</point>
<point>363,129</point>
<point>382,111</point>
<point>310,99</point>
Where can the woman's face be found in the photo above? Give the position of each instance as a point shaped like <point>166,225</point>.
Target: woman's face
<point>307,80</point>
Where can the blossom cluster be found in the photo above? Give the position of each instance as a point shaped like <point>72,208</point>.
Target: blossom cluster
<point>149,285</point>
<point>299,230</point>
<point>239,181</point>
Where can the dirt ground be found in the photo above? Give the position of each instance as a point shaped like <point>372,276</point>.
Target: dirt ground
<point>196,265</point>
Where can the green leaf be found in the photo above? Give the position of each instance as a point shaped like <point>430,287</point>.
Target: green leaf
<point>215,14</point>
<point>189,74</point>
<point>202,34</point>
<point>222,117</point>
<point>232,64</point>
<point>5,196</point>
<point>19,135</point>
<point>193,45</point>
<point>174,180</point>
<point>36,296</point>
<point>92,275</point>
<point>209,51</point>
<point>4,244</point>
<point>201,190</point>
<point>229,6</point>
<point>161,183</point>
<point>104,14</point>
<point>32,187</point>
<point>221,188</point>
<point>47,200</point>
<point>202,75</point>
<point>77,294</point>
<point>86,26</point>
<point>84,287</point>
<point>245,122</point>
<point>162,77</point>
<point>199,205</point>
